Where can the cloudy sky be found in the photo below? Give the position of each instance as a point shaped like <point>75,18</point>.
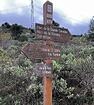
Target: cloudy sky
<point>72,14</point>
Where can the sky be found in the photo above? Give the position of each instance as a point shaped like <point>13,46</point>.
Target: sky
<point>72,14</point>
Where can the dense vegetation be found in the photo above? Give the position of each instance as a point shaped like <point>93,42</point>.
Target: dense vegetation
<point>73,82</point>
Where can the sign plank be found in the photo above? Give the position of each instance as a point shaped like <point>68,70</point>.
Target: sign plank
<point>41,69</point>
<point>42,51</point>
<point>52,33</point>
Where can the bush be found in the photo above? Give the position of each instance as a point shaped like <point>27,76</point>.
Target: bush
<point>23,38</point>
<point>16,31</point>
<point>6,25</point>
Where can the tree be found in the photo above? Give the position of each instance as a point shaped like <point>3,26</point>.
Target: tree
<point>6,25</point>
<point>23,38</point>
<point>16,31</point>
<point>91,26</point>
<point>55,23</point>
<point>91,29</point>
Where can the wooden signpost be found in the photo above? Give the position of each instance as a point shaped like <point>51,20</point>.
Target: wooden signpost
<point>47,52</point>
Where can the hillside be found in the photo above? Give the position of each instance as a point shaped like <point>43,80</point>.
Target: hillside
<point>73,82</point>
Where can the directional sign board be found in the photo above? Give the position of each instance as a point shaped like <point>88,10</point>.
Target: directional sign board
<point>42,51</point>
<point>53,33</point>
<point>41,69</point>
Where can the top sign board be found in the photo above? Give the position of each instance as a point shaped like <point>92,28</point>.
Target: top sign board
<point>52,33</point>
<point>41,51</point>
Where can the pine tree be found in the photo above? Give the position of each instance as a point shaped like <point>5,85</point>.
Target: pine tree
<point>91,29</point>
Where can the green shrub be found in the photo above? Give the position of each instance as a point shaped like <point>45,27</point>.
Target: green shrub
<point>23,38</point>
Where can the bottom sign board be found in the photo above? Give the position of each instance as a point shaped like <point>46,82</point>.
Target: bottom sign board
<point>40,69</point>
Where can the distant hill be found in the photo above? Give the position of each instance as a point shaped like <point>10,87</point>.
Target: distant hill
<point>14,32</point>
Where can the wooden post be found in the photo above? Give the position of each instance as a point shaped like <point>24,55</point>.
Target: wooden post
<point>47,90</point>
<point>47,84</point>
